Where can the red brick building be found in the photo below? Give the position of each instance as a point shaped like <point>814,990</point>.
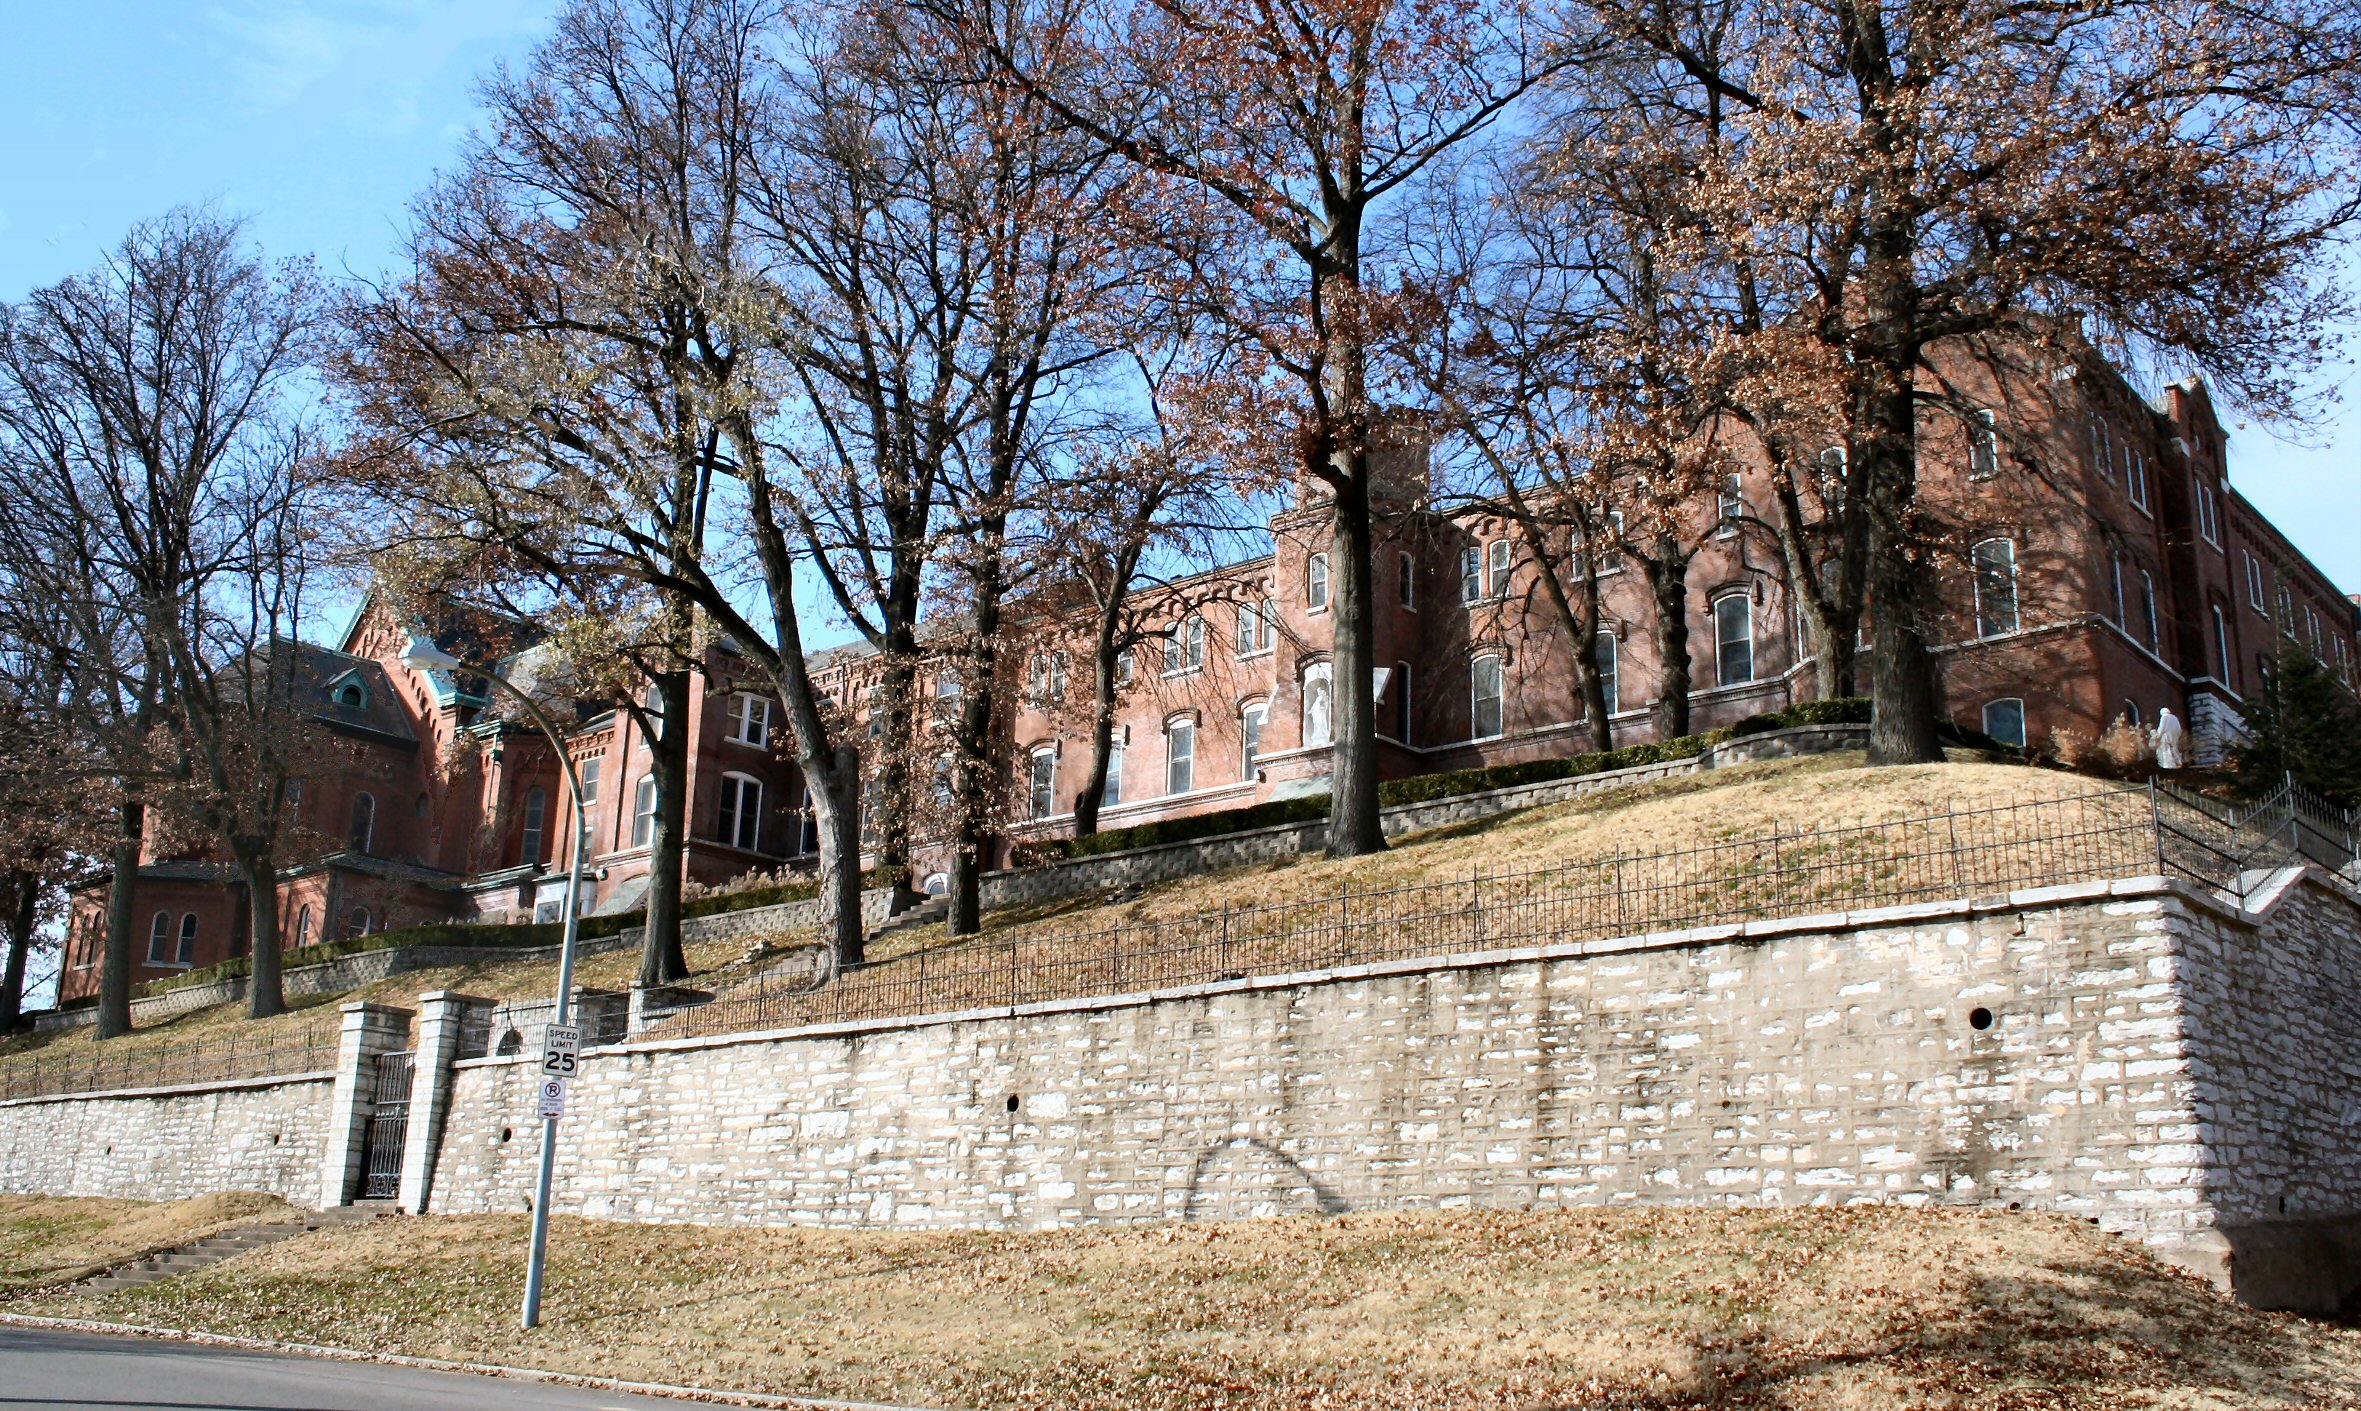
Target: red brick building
<point>2098,562</point>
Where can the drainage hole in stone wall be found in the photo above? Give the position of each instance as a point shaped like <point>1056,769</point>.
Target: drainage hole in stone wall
<point>506,1133</point>
<point>1013,1102</point>
<point>1979,1018</point>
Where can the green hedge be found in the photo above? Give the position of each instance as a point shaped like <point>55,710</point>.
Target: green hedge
<point>1845,710</point>
<point>490,935</point>
<point>1202,825</point>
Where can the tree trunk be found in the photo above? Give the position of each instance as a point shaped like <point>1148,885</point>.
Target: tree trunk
<point>1102,719</point>
<point>1354,826</point>
<point>114,973</point>
<point>264,994</point>
<point>1668,585</point>
<point>1902,668</point>
<point>23,896</point>
<point>896,692</point>
<point>660,959</point>
<point>834,778</point>
<point>974,742</point>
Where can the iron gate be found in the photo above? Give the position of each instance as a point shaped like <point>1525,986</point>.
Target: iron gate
<point>389,1123</point>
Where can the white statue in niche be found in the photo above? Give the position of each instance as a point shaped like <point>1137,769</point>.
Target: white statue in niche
<point>1316,727</point>
<point>2170,741</point>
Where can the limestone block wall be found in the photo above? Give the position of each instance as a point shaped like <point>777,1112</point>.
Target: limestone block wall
<point>170,1143</point>
<point>2029,1049</point>
<point>2273,1018</point>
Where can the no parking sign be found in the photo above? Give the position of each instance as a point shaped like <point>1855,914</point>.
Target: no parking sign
<point>553,1097</point>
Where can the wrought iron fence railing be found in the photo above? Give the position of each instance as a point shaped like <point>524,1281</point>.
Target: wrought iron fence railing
<point>272,1053</point>
<point>1963,853</point>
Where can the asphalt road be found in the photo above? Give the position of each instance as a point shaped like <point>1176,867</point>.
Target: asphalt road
<point>75,1370</point>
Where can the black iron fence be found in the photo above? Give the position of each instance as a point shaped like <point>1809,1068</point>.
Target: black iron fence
<point>135,1064</point>
<point>1964,853</point>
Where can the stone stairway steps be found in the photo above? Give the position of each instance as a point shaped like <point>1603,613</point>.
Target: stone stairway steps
<point>228,1244</point>
<point>926,913</point>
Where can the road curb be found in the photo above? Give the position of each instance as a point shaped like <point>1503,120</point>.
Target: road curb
<point>437,1364</point>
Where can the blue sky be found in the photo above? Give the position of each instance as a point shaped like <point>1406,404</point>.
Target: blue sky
<point>318,120</point>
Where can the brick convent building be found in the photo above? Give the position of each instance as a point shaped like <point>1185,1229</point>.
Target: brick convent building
<point>2102,565</point>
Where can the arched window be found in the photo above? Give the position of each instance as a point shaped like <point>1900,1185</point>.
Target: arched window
<point>1503,556</point>
<point>1983,450</point>
<point>1258,628</point>
<point>2004,720</point>
<point>807,839</point>
<point>1184,646</point>
<point>356,922</point>
<point>652,702</point>
<point>1180,756</point>
<point>1996,587</point>
<point>2221,642</point>
<point>741,811</point>
<point>1409,582</point>
<point>1733,639</point>
<point>2131,711</point>
<point>1041,782</point>
<point>1250,721</point>
<point>536,821</point>
<point>1471,575</point>
<point>1113,793</point>
<point>1483,697</point>
<point>363,831</point>
<point>1733,503</point>
<point>160,939</point>
<point>188,938</point>
<point>643,811</point>
<point>1319,725</point>
<point>303,927</point>
<point>2148,606</point>
<point>1603,659</point>
<point>937,884</point>
<point>1399,687</point>
<point>1315,583</point>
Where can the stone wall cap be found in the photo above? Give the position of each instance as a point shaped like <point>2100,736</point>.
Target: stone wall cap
<point>219,1085</point>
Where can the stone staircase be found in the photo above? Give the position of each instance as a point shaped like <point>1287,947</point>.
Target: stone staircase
<point>204,1253</point>
<point>926,913</point>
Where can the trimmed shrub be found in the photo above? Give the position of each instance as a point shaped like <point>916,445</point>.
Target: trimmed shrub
<point>1845,710</point>
<point>1202,825</point>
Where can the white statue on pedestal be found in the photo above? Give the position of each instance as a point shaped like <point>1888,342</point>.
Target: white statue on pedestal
<point>2171,741</point>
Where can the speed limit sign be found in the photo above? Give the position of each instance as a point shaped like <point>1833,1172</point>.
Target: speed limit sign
<point>559,1045</point>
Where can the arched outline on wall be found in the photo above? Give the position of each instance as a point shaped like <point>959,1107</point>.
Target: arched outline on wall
<point>187,952</point>
<point>1310,669</point>
<point>159,938</point>
<point>1478,727</point>
<point>1180,770</point>
<point>1326,1201</point>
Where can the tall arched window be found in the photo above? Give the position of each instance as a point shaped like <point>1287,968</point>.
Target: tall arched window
<point>363,831</point>
<point>2221,643</point>
<point>1041,782</point>
<point>1113,793</point>
<point>1399,688</point>
<point>160,939</point>
<point>1315,583</point>
<point>1250,721</point>
<point>643,812</point>
<point>1180,756</point>
<point>356,922</point>
<point>536,823</point>
<point>303,927</point>
<point>1996,587</point>
<point>1733,639</point>
<point>2148,607</point>
<point>1319,725</point>
<point>741,811</point>
<point>1483,697</point>
<point>1603,660</point>
<point>188,938</point>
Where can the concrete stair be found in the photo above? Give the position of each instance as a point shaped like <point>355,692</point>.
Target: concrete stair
<point>926,913</point>
<point>204,1253</point>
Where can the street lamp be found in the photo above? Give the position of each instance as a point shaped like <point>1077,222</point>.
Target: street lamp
<point>424,655</point>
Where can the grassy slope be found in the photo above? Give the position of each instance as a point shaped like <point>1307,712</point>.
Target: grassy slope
<point>44,1238</point>
<point>1681,812</point>
<point>1629,1308</point>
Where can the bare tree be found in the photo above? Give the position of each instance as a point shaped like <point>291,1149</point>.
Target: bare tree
<point>143,455</point>
<point>1277,137</point>
<point>1886,178</point>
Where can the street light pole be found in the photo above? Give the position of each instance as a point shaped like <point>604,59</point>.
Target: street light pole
<point>424,655</point>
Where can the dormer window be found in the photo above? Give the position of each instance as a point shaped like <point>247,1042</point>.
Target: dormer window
<point>349,691</point>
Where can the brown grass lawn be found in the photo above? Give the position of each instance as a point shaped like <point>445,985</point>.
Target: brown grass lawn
<point>1682,812</point>
<point>1868,1307</point>
<point>43,1239</point>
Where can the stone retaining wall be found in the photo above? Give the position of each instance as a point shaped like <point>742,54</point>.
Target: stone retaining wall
<point>2046,1049</point>
<point>171,1143</point>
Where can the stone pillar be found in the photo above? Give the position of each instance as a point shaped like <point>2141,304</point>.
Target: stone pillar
<point>369,1030</point>
<point>442,1016</point>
